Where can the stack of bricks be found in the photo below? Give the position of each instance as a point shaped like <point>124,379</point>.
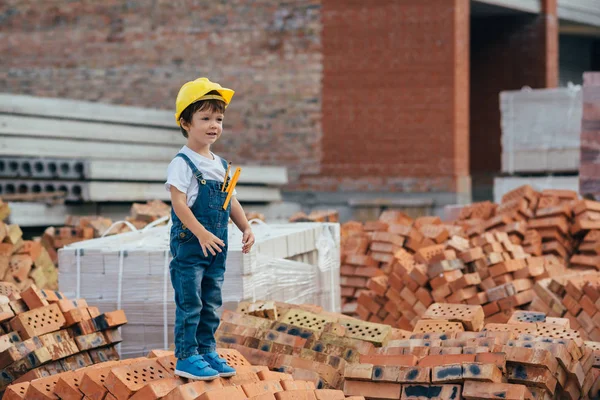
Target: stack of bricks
<point>153,378</point>
<point>80,228</point>
<point>575,297</point>
<point>453,354</point>
<point>488,270</point>
<point>42,333</point>
<point>551,222</point>
<point>304,341</point>
<point>587,227</point>
<point>25,262</point>
<point>371,250</point>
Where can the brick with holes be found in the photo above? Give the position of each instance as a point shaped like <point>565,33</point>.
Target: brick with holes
<point>42,389</point>
<point>92,382</point>
<point>470,316</point>
<point>16,392</point>
<point>67,385</point>
<point>438,326</point>
<point>38,321</point>
<point>126,380</point>
<point>168,362</point>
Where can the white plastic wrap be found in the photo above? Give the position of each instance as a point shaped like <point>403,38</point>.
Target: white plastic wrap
<point>296,263</point>
<point>541,129</point>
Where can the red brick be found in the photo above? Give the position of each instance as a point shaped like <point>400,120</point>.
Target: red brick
<point>374,390</point>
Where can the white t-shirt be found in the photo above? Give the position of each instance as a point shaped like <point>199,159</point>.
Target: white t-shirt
<point>180,175</point>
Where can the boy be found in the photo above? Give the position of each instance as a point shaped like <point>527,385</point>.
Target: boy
<point>198,240</point>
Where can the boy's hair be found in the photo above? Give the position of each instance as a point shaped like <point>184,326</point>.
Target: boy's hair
<point>211,105</point>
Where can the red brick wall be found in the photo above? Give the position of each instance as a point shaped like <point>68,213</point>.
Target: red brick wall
<point>507,53</point>
<point>139,52</point>
<point>395,95</point>
<point>350,94</point>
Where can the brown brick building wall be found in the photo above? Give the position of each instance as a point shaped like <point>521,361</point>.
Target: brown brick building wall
<point>350,95</point>
<point>139,52</point>
<point>395,108</point>
<point>508,52</point>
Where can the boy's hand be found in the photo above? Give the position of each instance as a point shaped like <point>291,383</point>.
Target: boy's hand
<point>211,242</point>
<point>247,241</point>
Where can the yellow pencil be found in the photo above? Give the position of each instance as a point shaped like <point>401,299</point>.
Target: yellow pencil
<point>231,186</point>
<point>226,176</point>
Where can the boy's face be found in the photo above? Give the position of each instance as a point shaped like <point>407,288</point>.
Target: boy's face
<point>206,127</point>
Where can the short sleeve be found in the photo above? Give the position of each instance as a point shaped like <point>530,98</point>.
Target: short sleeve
<point>179,175</point>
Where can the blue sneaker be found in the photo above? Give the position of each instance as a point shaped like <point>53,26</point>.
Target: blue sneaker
<point>196,368</point>
<point>219,364</point>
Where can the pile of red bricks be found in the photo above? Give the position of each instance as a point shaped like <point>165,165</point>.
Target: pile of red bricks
<point>487,270</point>
<point>43,333</point>
<point>548,222</point>
<point>575,297</point>
<point>453,355</point>
<point>491,255</point>
<point>79,228</point>
<point>24,262</point>
<point>153,378</point>
<point>304,341</point>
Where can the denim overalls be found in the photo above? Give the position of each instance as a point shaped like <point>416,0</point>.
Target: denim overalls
<point>197,279</point>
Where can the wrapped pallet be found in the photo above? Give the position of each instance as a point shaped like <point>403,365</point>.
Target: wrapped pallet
<point>541,130</point>
<point>295,263</point>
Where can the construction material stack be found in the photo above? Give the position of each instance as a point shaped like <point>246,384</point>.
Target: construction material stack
<point>152,378</point>
<point>451,353</point>
<point>575,297</point>
<point>80,228</point>
<point>44,333</point>
<point>297,263</point>
<point>541,139</point>
<point>589,168</point>
<point>25,262</point>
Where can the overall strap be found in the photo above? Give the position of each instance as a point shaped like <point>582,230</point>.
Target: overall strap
<point>226,178</point>
<point>224,162</point>
<point>189,162</point>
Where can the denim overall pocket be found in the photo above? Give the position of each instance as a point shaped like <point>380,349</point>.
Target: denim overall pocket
<point>216,199</point>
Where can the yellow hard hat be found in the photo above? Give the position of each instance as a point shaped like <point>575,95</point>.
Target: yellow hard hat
<point>196,90</point>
